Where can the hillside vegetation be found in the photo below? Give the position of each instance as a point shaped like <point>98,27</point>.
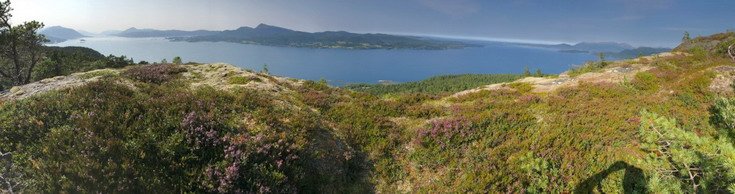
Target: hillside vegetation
<point>436,85</point>
<point>655,124</point>
<point>264,34</point>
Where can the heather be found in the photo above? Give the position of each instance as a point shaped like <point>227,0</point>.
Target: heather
<point>109,137</point>
<point>654,124</point>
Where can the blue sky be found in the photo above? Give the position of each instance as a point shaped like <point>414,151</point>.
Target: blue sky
<point>638,22</point>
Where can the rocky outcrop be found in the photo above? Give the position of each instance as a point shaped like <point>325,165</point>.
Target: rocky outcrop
<point>220,76</point>
<point>616,72</point>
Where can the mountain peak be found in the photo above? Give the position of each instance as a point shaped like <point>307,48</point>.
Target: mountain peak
<point>262,25</point>
<point>60,34</point>
<point>271,27</point>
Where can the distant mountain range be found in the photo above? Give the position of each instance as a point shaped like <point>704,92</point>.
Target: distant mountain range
<point>142,33</point>
<point>637,52</point>
<point>611,49</point>
<point>269,35</point>
<point>590,47</point>
<point>56,34</point>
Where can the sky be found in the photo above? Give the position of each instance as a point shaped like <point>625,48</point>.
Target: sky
<point>637,22</point>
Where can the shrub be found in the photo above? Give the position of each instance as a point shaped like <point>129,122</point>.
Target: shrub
<point>587,67</point>
<point>105,137</point>
<point>437,85</point>
<point>154,73</point>
<point>723,115</point>
<point>99,73</point>
<point>242,80</point>
<point>521,87</point>
<point>645,81</point>
<point>684,161</point>
<point>442,132</point>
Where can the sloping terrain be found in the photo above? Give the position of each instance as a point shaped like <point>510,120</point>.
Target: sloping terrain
<point>217,128</point>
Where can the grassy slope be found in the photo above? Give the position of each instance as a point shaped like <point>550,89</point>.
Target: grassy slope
<point>572,139</point>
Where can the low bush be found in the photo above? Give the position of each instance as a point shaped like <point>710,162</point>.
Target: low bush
<point>645,81</point>
<point>437,85</point>
<point>521,87</point>
<point>106,137</point>
<point>242,80</point>
<point>154,73</point>
<point>587,67</point>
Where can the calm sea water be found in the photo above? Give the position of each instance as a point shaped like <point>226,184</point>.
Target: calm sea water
<point>344,66</point>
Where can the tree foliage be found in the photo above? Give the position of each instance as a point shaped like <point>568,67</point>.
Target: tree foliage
<point>438,84</point>
<point>177,60</point>
<point>20,47</point>
<point>684,161</point>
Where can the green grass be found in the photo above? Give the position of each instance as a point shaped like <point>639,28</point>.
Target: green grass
<point>241,80</point>
<point>587,67</point>
<point>99,73</point>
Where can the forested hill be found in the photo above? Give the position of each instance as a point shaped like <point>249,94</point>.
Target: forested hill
<point>269,35</point>
<point>653,124</point>
<point>56,34</point>
<point>146,33</point>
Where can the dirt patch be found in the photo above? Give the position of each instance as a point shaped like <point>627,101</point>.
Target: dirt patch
<point>723,81</point>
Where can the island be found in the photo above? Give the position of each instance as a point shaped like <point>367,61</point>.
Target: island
<point>269,35</point>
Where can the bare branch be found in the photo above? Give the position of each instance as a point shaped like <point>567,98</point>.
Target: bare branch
<point>731,52</point>
<point>8,180</point>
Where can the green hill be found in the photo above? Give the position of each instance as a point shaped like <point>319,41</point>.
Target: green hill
<point>654,124</point>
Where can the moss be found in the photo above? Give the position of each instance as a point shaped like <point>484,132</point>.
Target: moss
<point>99,73</point>
<point>242,80</point>
<point>521,87</point>
<point>645,81</point>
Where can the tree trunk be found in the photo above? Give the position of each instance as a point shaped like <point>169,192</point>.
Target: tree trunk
<point>731,52</point>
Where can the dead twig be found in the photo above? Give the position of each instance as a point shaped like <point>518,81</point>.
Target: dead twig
<point>731,51</point>
<point>7,183</point>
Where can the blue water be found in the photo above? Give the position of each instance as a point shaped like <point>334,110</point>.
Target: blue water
<point>340,66</point>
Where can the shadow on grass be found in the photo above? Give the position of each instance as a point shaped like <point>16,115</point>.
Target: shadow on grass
<point>634,181</point>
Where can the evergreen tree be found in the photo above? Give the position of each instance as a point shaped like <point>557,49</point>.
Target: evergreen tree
<point>538,73</point>
<point>686,37</point>
<point>526,72</point>
<point>601,56</point>
<point>265,69</point>
<point>682,161</point>
<point>21,48</point>
<point>177,60</point>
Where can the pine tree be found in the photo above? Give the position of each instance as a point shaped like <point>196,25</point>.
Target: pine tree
<point>265,69</point>
<point>177,60</point>
<point>538,73</point>
<point>20,46</point>
<point>526,72</point>
<point>680,159</point>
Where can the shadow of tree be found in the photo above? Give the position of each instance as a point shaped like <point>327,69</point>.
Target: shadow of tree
<point>634,181</point>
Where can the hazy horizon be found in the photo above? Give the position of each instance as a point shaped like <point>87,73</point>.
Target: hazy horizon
<point>636,22</point>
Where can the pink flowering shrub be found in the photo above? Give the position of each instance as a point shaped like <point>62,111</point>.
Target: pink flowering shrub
<point>108,138</point>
